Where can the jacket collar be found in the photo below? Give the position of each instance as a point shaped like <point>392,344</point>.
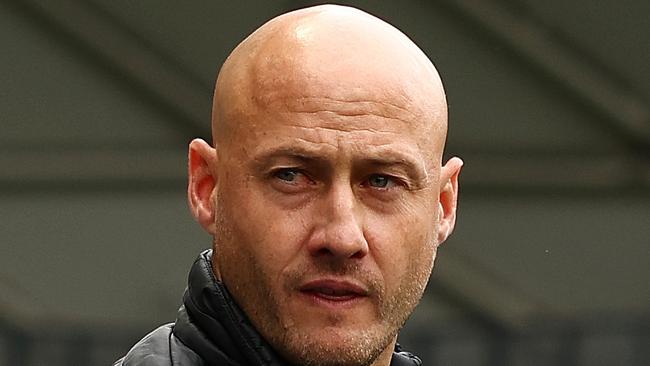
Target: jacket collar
<point>213,326</point>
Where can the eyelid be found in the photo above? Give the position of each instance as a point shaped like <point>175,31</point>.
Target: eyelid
<point>407,181</point>
<point>300,174</point>
<point>276,169</point>
<point>396,180</point>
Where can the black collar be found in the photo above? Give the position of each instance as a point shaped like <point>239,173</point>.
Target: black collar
<point>213,326</point>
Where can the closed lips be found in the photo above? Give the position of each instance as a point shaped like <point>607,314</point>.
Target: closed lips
<point>333,290</point>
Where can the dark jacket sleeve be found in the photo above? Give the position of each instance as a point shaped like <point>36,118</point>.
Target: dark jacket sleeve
<point>160,348</point>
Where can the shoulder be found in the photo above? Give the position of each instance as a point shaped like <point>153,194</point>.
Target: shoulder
<point>403,358</point>
<point>160,348</point>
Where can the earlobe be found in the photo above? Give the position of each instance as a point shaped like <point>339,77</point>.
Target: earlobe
<point>448,198</point>
<point>202,162</point>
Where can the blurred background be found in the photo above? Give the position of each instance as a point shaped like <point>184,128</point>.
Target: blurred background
<point>549,264</point>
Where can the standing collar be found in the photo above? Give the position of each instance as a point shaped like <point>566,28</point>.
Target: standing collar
<point>213,326</point>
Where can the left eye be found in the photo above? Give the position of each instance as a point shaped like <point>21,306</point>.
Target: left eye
<point>379,181</point>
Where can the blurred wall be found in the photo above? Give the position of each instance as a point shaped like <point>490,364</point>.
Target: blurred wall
<point>548,107</point>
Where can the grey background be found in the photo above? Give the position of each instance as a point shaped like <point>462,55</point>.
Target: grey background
<point>549,264</point>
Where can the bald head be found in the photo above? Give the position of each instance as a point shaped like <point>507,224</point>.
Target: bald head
<point>310,59</point>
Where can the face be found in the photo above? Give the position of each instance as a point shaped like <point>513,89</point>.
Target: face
<point>326,226</point>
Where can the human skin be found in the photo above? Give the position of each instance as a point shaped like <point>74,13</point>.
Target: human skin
<point>325,191</point>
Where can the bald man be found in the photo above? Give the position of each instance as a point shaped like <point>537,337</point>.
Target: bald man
<point>325,194</point>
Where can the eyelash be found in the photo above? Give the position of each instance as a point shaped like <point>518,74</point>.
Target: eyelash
<point>274,174</point>
<point>392,181</point>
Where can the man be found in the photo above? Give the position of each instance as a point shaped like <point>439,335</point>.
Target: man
<point>325,194</point>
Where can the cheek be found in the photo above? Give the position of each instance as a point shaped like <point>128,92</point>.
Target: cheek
<point>271,236</point>
<point>403,244</point>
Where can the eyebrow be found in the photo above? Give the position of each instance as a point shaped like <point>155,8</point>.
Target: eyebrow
<point>381,157</point>
<point>413,168</point>
<point>290,152</point>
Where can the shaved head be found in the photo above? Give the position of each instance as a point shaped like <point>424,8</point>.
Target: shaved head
<point>300,59</point>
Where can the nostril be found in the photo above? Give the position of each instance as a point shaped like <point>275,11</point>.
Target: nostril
<point>327,252</point>
<point>323,252</point>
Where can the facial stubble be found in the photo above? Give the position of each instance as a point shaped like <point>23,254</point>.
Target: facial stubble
<point>250,286</point>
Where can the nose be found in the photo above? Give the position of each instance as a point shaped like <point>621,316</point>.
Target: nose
<point>340,234</point>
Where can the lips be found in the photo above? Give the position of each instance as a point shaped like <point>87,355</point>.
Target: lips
<point>332,290</point>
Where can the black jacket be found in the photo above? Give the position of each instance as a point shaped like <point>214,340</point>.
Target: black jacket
<point>211,330</point>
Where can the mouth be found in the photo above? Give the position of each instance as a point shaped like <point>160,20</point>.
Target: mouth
<point>335,293</point>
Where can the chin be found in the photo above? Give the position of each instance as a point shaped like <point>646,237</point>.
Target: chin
<point>336,345</point>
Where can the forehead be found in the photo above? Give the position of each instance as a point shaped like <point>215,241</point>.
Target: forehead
<point>336,130</point>
<point>304,79</point>
<point>346,112</point>
<point>342,57</point>
<point>339,95</point>
<point>301,76</point>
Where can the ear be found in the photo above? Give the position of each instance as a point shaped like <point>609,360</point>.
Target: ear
<point>201,185</point>
<point>448,198</point>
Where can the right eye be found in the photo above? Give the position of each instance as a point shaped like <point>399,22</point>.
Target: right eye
<point>291,180</point>
<point>287,175</point>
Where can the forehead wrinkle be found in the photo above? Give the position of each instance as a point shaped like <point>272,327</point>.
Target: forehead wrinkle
<point>349,107</point>
<point>427,139</point>
<point>336,138</point>
<point>388,153</point>
<point>319,129</point>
